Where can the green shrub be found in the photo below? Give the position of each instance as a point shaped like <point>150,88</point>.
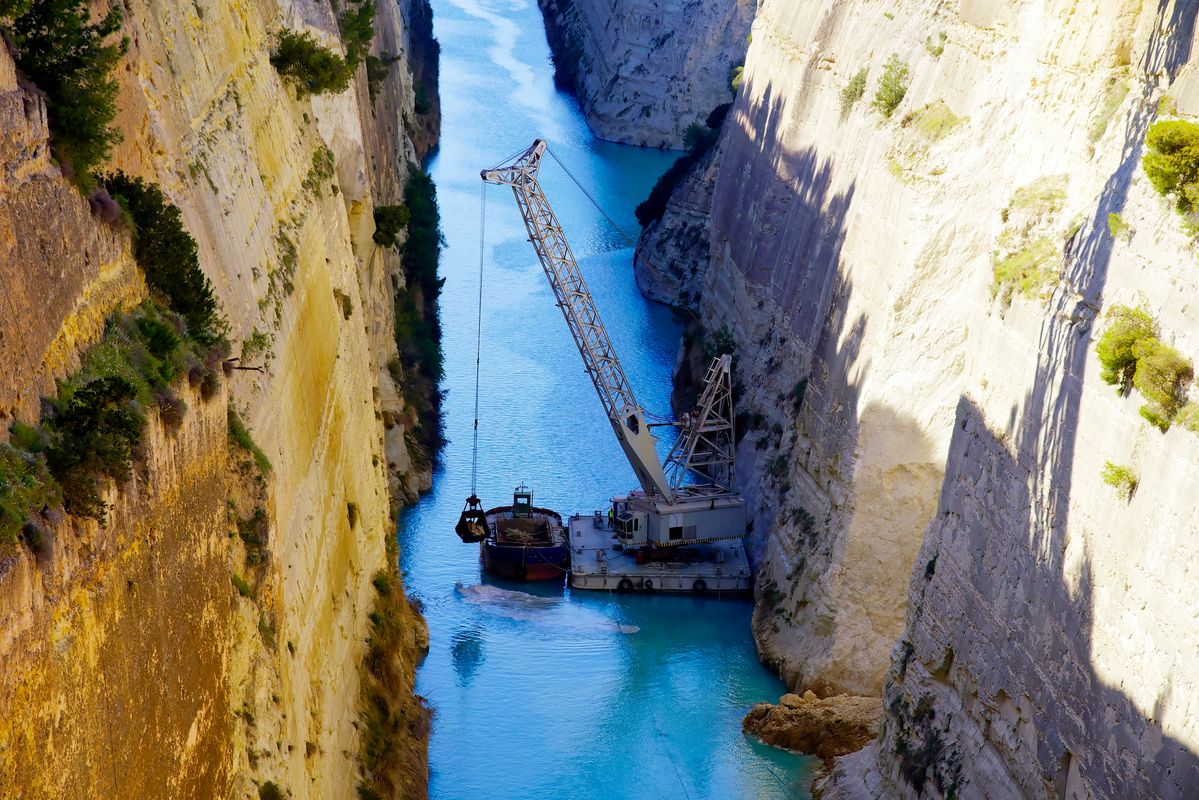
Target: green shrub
<point>1162,376</point>
<point>1188,417</point>
<point>168,255</point>
<point>254,345</point>
<point>376,72</point>
<point>1029,269</point>
<point>324,165</point>
<point>389,221</point>
<point>357,25</point>
<point>11,9</point>
<point>270,791</point>
<point>254,531</point>
<point>240,435</point>
<point>314,69</point>
<point>1172,162</point>
<point>71,59</point>
<point>26,486</point>
<point>1123,479</point>
<point>853,91</point>
<point>94,424</point>
<point>417,328</point>
<point>892,87</point>
<point>93,432</point>
<point>720,342</point>
<point>1044,196</point>
<point>1127,326</point>
<point>935,121</point>
<point>1118,228</point>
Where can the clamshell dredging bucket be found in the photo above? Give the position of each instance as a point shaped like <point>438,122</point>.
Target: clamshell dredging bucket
<point>472,525</point>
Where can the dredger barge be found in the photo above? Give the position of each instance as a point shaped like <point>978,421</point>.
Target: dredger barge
<point>682,533</point>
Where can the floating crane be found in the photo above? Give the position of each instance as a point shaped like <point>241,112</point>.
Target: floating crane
<point>670,509</point>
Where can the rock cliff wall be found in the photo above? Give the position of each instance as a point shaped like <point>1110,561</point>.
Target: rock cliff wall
<point>644,71</point>
<point>923,443</point>
<point>133,665</point>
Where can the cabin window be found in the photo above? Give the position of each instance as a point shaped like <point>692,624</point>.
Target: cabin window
<point>676,532</point>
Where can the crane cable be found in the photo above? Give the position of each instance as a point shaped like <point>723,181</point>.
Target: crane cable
<point>628,240</point>
<point>474,458</point>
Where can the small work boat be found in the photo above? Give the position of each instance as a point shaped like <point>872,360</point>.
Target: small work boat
<point>525,542</point>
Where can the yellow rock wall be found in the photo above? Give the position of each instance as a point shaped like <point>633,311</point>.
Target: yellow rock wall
<point>132,666</point>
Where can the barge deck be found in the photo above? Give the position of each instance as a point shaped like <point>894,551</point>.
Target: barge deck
<point>600,562</point>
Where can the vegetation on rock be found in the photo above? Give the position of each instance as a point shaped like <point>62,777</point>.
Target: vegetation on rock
<point>417,328</point>
<point>1118,228</point>
<point>389,221</point>
<point>71,58</point>
<point>935,120</point>
<point>1162,377</point>
<point>1132,357</point>
<point>1029,269</point>
<point>853,91</point>
<point>25,486</point>
<point>1172,163</point>
<point>393,721</point>
<point>240,435</point>
<point>1122,478</point>
<point>314,69</point>
<point>892,87</point>
<point>1126,327</point>
<point>168,255</point>
<point>357,26</point>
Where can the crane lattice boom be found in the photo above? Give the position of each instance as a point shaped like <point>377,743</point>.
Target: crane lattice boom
<point>582,317</point>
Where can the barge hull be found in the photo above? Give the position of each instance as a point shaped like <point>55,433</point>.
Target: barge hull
<point>597,564</point>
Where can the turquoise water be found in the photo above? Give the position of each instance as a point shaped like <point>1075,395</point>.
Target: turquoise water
<point>538,691</point>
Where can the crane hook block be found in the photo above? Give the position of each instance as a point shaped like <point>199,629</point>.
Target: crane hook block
<point>472,525</point>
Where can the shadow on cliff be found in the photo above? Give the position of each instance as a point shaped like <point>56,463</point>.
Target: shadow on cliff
<point>779,224</point>
<point>971,599</point>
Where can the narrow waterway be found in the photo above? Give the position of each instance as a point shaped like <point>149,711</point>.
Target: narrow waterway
<point>539,691</point>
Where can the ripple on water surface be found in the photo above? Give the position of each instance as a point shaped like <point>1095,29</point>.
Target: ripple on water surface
<point>540,691</point>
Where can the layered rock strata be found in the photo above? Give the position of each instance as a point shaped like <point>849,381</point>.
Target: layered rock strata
<point>149,657</point>
<point>645,71</point>
<point>925,434</point>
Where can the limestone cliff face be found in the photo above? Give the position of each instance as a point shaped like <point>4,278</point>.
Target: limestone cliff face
<point>923,448</point>
<point>645,70</point>
<point>133,667</point>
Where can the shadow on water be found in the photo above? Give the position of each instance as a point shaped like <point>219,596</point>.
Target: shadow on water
<point>1070,728</point>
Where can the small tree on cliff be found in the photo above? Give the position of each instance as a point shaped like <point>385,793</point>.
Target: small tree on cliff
<point>71,59</point>
<point>314,69</point>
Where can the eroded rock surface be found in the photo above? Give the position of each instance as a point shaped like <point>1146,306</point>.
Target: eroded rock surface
<point>645,70</point>
<point>825,728</point>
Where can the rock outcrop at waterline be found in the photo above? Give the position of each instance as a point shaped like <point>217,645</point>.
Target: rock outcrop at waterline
<point>207,640</point>
<point>918,224</point>
<point>823,727</point>
<point>645,71</point>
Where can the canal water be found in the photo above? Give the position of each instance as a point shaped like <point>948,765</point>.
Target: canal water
<point>540,692</point>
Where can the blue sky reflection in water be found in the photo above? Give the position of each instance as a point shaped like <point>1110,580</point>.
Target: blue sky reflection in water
<point>540,692</point>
